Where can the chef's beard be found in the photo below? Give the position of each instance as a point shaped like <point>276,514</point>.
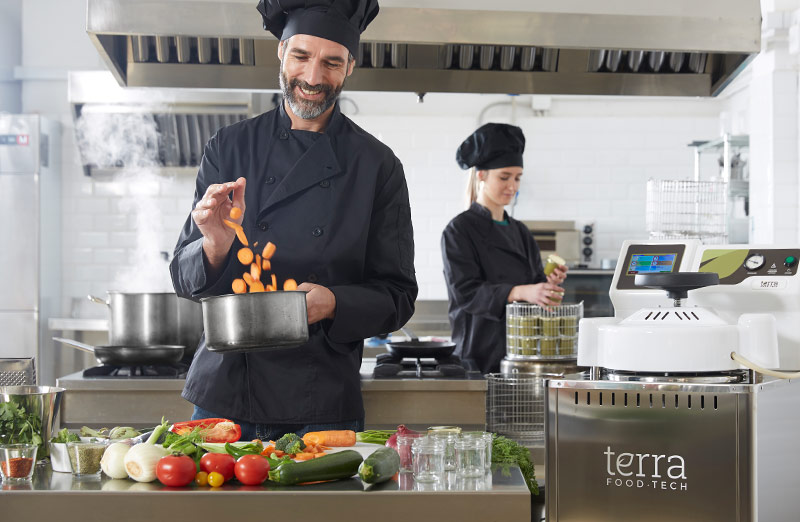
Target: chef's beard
<point>308,109</point>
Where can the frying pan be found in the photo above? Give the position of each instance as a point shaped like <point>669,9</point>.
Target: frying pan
<point>420,349</point>
<point>130,355</point>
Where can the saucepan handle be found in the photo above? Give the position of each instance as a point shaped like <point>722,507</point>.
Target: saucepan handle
<point>75,344</point>
<point>98,300</point>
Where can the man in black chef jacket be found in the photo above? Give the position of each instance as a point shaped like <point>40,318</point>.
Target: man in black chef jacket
<point>334,201</point>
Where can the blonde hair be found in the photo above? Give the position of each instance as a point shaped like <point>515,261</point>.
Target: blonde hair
<point>473,187</point>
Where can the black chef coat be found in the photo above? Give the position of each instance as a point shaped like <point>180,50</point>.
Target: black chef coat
<point>482,263</point>
<point>336,206</point>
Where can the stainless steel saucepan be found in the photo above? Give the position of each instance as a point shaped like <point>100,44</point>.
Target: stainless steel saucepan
<point>129,355</point>
<point>147,319</point>
<point>256,321</point>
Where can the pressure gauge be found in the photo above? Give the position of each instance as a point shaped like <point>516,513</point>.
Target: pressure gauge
<point>754,262</point>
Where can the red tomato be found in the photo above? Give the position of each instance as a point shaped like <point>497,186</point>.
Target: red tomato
<point>251,470</point>
<point>175,470</point>
<point>222,463</point>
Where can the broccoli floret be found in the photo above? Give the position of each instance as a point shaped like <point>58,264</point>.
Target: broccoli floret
<point>290,443</point>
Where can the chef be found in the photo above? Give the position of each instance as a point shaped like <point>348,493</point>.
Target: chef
<point>334,201</point>
<point>490,258</point>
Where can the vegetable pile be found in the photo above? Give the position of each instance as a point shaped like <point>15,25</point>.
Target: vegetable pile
<point>65,436</point>
<point>256,263</point>
<point>506,451</point>
<point>17,426</point>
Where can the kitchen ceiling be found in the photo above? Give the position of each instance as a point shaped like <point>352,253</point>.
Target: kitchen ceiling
<point>622,47</point>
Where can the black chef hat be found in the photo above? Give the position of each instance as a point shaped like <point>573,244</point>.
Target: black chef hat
<point>492,146</point>
<point>341,21</point>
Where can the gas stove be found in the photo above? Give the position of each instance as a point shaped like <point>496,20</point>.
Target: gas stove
<point>391,366</point>
<point>106,371</point>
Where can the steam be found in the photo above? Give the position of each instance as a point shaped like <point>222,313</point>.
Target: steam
<point>130,144</point>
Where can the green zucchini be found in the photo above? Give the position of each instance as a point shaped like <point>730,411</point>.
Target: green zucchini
<point>340,465</point>
<point>380,466</point>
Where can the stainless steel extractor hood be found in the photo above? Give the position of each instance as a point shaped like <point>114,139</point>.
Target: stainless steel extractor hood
<point>626,47</point>
<point>154,129</point>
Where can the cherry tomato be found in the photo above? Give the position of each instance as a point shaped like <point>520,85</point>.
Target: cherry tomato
<point>201,479</point>
<point>220,462</point>
<point>215,479</point>
<point>251,470</point>
<point>175,470</point>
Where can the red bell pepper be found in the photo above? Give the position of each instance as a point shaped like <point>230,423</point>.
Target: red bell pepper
<point>214,430</point>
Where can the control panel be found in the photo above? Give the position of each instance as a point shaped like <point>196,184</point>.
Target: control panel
<point>734,265</point>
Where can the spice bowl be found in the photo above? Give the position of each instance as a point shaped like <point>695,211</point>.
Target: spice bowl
<point>59,458</point>
<point>84,457</point>
<point>17,462</point>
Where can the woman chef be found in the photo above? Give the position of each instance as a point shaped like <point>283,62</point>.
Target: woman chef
<point>490,258</point>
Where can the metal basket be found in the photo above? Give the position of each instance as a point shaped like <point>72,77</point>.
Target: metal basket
<point>680,209</point>
<point>536,332</point>
<point>515,407</point>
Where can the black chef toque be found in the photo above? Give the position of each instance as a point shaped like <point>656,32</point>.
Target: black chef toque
<point>341,21</point>
<point>492,146</point>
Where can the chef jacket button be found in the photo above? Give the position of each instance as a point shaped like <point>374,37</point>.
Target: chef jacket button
<point>284,135</point>
<point>263,226</point>
<point>325,183</point>
<point>316,232</point>
<point>270,180</point>
<point>312,278</point>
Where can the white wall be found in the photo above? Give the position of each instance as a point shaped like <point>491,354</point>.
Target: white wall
<point>10,57</point>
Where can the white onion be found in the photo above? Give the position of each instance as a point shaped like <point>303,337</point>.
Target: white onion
<point>141,461</point>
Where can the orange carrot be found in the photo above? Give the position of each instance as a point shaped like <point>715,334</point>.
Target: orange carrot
<point>239,286</point>
<point>269,288</point>
<point>268,450</point>
<point>248,278</point>
<point>257,286</point>
<point>258,260</point>
<point>255,271</point>
<point>335,438</point>
<point>269,250</point>
<point>239,231</point>
<point>274,282</point>
<point>290,284</point>
<point>266,265</point>
<point>304,456</point>
<point>236,213</point>
<point>245,256</point>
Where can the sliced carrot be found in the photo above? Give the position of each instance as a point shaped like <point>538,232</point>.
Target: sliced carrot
<point>255,244</point>
<point>257,286</point>
<point>239,286</point>
<point>245,256</point>
<point>279,453</point>
<point>248,278</point>
<point>268,450</point>
<point>269,288</point>
<point>266,265</point>
<point>258,260</point>
<point>304,456</point>
<point>318,455</point>
<point>239,231</point>
<point>274,282</point>
<point>290,284</point>
<point>269,250</point>
<point>255,271</point>
<point>236,213</point>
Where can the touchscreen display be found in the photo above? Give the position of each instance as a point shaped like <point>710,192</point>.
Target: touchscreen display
<point>651,263</point>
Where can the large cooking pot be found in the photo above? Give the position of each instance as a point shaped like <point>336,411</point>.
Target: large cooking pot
<point>256,321</point>
<point>150,319</point>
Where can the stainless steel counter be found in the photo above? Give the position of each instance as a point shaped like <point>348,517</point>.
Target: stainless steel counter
<point>500,495</point>
<point>388,402</point>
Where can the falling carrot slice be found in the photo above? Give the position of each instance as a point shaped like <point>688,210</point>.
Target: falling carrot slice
<point>239,231</point>
<point>274,282</point>
<point>236,213</point>
<point>248,278</point>
<point>256,287</point>
<point>270,288</point>
<point>269,250</point>
<point>290,284</point>
<point>258,260</point>
<point>245,256</point>
<point>266,265</point>
<point>239,286</point>
<point>255,271</point>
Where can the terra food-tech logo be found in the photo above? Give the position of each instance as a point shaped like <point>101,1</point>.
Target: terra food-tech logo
<point>645,470</point>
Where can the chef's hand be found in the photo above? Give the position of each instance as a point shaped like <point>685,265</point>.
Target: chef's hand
<point>209,214</point>
<point>558,275</point>
<point>543,294</point>
<point>320,302</point>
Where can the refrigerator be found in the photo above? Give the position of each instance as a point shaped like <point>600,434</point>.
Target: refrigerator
<point>30,238</point>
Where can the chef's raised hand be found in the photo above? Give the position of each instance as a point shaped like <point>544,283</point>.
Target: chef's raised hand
<point>209,215</point>
<point>320,302</point>
<point>543,294</point>
<point>558,275</point>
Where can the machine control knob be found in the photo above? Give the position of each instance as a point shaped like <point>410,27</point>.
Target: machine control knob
<point>755,261</point>
<point>587,240</point>
<point>588,229</point>
<point>790,261</point>
<point>587,252</point>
